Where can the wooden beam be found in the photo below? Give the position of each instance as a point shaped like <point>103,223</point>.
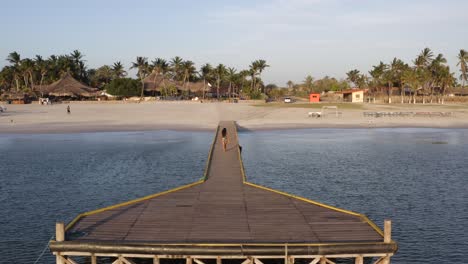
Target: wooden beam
<point>198,261</point>
<point>59,259</point>
<point>323,260</point>
<point>93,259</point>
<point>126,261</point>
<point>70,261</point>
<point>329,261</point>
<point>59,232</point>
<point>188,261</point>
<point>257,261</point>
<point>387,231</point>
<point>315,261</point>
<point>247,261</point>
<point>379,261</point>
<point>359,260</point>
<point>218,260</point>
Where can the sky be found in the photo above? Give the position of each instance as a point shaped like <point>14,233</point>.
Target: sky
<point>296,37</point>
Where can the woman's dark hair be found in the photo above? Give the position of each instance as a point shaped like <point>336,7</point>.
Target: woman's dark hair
<point>224,132</point>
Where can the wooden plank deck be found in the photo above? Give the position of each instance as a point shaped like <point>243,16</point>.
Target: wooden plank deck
<point>224,209</point>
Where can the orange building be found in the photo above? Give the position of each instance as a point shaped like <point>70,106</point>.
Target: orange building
<point>314,98</point>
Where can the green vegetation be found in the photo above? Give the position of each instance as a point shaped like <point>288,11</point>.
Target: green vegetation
<point>426,79</point>
<point>123,87</point>
<point>29,74</point>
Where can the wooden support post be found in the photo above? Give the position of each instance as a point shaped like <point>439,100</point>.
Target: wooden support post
<point>59,232</point>
<point>359,260</point>
<point>218,260</point>
<point>188,261</point>
<point>323,260</point>
<point>386,260</point>
<point>155,260</point>
<point>59,259</point>
<point>93,259</point>
<point>387,231</point>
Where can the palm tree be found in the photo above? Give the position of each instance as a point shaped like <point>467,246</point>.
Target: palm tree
<point>308,82</point>
<point>176,65</point>
<point>353,76</point>
<point>42,67</point>
<point>141,64</point>
<point>261,66</point>
<point>437,70</point>
<point>253,69</point>
<point>77,59</point>
<point>462,62</point>
<point>220,73</point>
<point>422,62</point>
<point>15,59</point>
<point>446,80</point>
<point>410,77</point>
<point>188,69</point>
<point>231,76</point>
<point>206,73</point>
<point>290,84</point>
<point>103,76</point>
<point>118,70</point>
<point>424,58</point>
<point>161,67</point>
<point>398,67</point>
<point>378,74</point>
<point>28,66</point>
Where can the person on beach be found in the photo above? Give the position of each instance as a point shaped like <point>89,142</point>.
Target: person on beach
<point>224,140</point>
<point>68,110</point>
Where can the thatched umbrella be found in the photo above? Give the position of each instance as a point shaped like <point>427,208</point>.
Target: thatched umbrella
<point>68,87</point>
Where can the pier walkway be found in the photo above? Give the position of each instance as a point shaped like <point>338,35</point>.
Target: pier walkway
<point>222,216</point>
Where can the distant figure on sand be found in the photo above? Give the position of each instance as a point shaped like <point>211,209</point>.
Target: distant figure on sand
<point>68,110</point>
<point>225,141</point>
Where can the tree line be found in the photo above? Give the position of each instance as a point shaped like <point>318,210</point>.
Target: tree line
<point>25,74</point>
<point>428,75</point>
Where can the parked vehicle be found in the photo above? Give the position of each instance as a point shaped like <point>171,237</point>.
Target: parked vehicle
<point>288,100</point>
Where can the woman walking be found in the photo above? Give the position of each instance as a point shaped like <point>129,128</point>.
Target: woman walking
<point>225,140</point>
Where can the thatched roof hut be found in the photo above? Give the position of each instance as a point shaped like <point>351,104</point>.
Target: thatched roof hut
<point>13,95</point>
<point>155,82</point>
<point>68,87</point>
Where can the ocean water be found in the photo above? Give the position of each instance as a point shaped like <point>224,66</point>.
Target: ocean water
<point>418,178</point>
<point>49,178</point>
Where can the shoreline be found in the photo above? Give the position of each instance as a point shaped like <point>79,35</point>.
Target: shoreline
<point>93,118</point>
<point>28,130</point>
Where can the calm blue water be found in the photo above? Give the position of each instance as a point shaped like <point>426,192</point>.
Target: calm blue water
<point>49,178</point>
<point>416,177</point>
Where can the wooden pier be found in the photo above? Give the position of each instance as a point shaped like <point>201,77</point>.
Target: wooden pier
<point>223,216</point>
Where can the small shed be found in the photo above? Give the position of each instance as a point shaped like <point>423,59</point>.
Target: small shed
<point>314,98</point>
<point>353,96</point>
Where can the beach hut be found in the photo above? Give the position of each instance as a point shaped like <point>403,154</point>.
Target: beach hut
<point>68,86</point>
<point>353,95</point>
<point>13,97</point>
<point>314,97</point>
<point>155,83</point>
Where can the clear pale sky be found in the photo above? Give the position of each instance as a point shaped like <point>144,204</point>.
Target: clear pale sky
<point>295,37</point>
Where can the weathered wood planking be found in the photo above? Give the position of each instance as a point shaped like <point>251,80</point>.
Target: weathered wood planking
<point>223,210</point>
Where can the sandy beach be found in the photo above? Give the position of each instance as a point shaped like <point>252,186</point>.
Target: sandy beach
<point>94,117</point>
